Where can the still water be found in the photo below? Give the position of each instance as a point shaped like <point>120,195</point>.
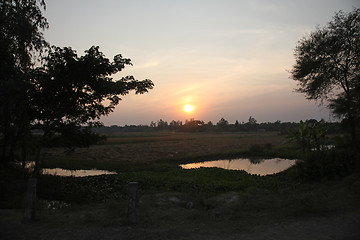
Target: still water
<point>261,167</point>
<point>74,173</point>
<point>69,173</point>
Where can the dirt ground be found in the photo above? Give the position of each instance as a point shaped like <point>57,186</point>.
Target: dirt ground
<point>343,226</point>
<point>167,218</point>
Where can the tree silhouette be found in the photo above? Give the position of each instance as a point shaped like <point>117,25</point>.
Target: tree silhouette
<point>68,93</point>
<point>222,122</point>
<point>327,68</point>
<point>193,125</point>
<point>21,43</point>
<point>252,121</point>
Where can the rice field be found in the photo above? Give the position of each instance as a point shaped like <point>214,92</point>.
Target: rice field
<point>169,147</point>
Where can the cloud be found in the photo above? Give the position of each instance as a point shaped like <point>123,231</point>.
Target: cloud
<point>148,65</point>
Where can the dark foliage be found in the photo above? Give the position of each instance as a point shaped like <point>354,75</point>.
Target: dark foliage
<point>327,68</point>
<point>71,90</point>
<point>66,95</point>
<point>332,164</point>
<point>21,43</point>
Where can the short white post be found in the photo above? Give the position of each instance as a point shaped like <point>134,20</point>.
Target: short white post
<point>133,202</point>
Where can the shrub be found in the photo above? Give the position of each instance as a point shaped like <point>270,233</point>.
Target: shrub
<point>331,164</point>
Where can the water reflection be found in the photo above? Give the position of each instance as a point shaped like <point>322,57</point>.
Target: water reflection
<point>68,173</point>
<point>256,160</point>
<point>261,167</point>
<point>74,173</point>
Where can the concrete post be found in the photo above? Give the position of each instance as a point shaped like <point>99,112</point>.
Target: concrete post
<point>29,214</point>
<point>133,202</point>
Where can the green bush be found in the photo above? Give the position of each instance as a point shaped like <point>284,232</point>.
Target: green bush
<point>331,164</point>
<point>256,149</point>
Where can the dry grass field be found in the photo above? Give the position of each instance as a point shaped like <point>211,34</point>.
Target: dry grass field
<point>132,148</point>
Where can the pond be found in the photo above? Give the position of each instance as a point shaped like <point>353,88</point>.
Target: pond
<point>69,173</point>
<point>74,173</point>
<point>259,166</point>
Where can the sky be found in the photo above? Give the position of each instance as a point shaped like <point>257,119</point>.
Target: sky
<point>227,58</point>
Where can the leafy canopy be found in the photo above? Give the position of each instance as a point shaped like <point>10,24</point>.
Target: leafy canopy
<point>67,93</point>
<point>327,68</point>
<point>327,64</point>
<point>79,90</point>
<point>21,44</point>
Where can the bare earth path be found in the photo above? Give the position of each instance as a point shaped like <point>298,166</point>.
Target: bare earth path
<point>344,226</point>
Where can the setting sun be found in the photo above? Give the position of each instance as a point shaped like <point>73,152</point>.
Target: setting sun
<point>188,108</point>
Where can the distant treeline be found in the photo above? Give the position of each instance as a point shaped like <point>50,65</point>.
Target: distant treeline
<point>193,125</point>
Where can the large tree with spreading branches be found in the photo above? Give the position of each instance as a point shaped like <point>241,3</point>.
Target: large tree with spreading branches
<point>327,69</point>
<point>70,92</point>
<point>51,88</point>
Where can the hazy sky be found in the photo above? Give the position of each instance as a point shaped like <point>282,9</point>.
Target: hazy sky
<point>228,58</point>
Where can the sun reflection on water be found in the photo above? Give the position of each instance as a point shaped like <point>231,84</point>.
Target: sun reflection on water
<point>266,167</point>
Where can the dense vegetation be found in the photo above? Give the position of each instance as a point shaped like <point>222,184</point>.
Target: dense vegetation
<point>222,125</point>
<point>327,69</point>
<point>322,182</point>
<point>157,167</point>
<point>51,88</point>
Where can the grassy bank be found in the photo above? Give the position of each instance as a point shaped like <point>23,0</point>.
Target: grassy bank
<point>182,204</point>
<point>208,201</point>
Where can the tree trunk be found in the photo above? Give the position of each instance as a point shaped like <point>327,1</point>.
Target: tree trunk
<point>24,151</point>
<point>11,155</point>
<point>36,172</point>
<point>4,147</point>
<point>7,140</point>
<point>355,144</point>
